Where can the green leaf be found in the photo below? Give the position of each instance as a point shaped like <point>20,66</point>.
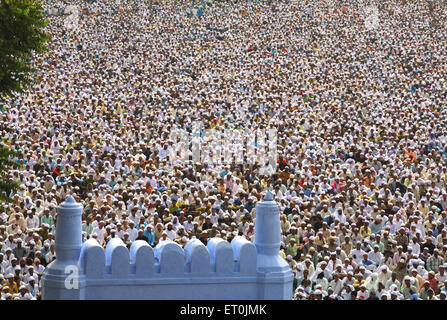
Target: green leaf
<point>6,164</point>
<point>21,38</point>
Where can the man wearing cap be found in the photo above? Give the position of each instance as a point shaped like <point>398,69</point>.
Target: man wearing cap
<point>408,288</point>
<point>38,266</point>
<point>423,291</point>
<point>357,253</point>
<point>44,231</point>
<point>340,254</point>
<point>432,282</point>
<point>47,219</point>
<point>346,245</point>
<point>242,226</point>
<point>149,234</point>
<point>96,220</point>
<point>431,295</point>
<point>44,251</point>
<point>204,237</point>
<point>336,283</point>
<point>125,239</point>
<point>29,274</point>
<point>23,293</point>
<point>12,266</point>
<point>16,222</point>
<point>309,244</point>
<point>355,236</point>
<point>51,255</point>
<point>188,224</point>
<point>434,261</point>
<point>393,281</point>
<point>332,245</point>
<point>170,232</point>
<point>32,286</point>
<point>87,226</point>
<point>362,293</point>
<point>324,252</point>
<point>366,262</point>
<point>292,249</point>
<point>416,278</point>
<point>10,284</point>
<point>158,232</point>
<point>99,230</point>
<point>402,239</point>
<point>32,220</point>
<point>365,230</point>
<point>375,255</point>
<point>347,292</point>
<point>321,282</point>
<point>132,231</point>
<point>398,255</point>
<point>182,241</point>
<point>377,226</point>
<point>4,263</point>
<point>429,245</point>
<point>415,246</point>
<point>291,262</point>
<point>442,274</point>
<point>141,236</point>
<point>164,237</point>
<point>19,251</point>
<point>322,268</point>
<point>292,234</point>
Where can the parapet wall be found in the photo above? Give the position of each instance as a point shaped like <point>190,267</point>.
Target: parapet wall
<point>239,270</point>
<point>218,258</point>
<point>169,271</point>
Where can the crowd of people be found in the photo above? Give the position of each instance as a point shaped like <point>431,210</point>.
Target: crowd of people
<point>359,110</point>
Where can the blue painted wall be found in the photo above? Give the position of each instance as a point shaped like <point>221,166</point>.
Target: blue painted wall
<point>218,271</point>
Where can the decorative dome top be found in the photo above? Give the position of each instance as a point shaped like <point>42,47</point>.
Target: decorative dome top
<point>70,199</point>
<point>268,196</point>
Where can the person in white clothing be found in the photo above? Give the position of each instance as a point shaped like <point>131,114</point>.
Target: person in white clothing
<point>375,255</point>
<point>132,231</point>
<point>357,253</point>
<point>171,232</point>
<point>415,246</point>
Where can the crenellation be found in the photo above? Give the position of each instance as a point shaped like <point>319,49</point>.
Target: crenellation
<point>93,260</point>
<point>218,258</point>
<point>172,258</point>
<point>142,257</point>
<point>197,258</point>
<point>117,258</point>
<point>245,255</point>
<point>222,258</point>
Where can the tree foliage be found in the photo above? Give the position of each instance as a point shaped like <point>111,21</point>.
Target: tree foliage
<point>6,164</point>
<point>22,36</point>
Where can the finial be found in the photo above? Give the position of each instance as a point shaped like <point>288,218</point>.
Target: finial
<point>268,196</point>
<point>70,199</point>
